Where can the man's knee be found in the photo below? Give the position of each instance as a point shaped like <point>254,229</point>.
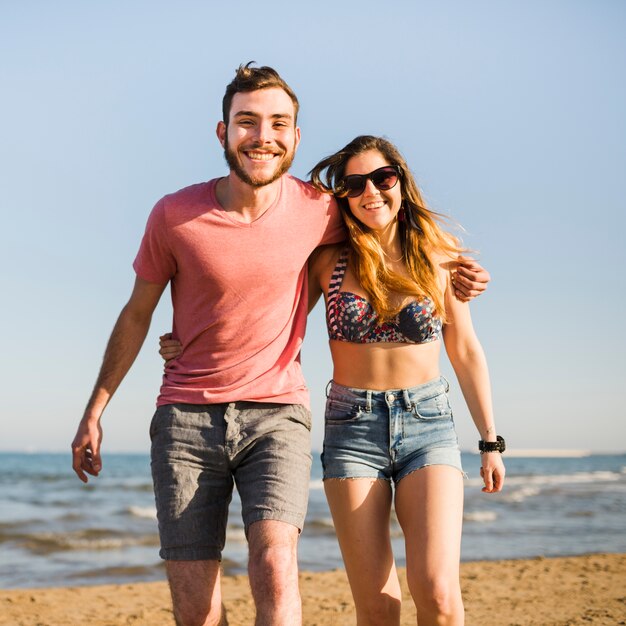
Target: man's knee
<point>273,561</point>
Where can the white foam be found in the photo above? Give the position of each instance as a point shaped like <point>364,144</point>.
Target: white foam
<point>578,478</point>
<point>519,495</point>
<point>480,516</point>
<point>236,535</point>
<point>55,541</point>
<point>148,512</point>
<point>323,522</point>
<point>96,544</point>
<point>559,479</point>
<point>547,453</point>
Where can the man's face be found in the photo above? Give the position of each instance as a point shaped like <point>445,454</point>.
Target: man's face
<point>261,138</point>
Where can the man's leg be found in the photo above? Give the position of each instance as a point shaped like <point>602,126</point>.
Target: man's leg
<point>273,573</point>
<point>272,463</point>
<point>193,486</point>
<point>196,593</point>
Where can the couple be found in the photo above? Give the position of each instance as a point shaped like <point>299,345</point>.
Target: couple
<point>233,404</point>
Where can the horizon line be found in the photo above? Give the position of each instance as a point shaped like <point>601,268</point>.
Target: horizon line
<point>511,453</point>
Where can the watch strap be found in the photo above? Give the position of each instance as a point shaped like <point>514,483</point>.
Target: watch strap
<point>492,446</point>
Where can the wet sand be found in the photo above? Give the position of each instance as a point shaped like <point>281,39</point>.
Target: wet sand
<point>537,592</point>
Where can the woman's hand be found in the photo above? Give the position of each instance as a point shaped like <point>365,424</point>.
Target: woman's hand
<point>492,471</point>
<point>169,348</point>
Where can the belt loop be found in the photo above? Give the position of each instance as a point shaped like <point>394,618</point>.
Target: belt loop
<point>446,384</point>
<point>368,400</point>
<point>408,405</point>
<point>330,382</point>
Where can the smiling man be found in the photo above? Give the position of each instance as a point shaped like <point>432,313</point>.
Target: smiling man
<point>234,405</point>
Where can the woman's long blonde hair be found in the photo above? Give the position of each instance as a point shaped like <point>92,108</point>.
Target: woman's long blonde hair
<point>421,233</point>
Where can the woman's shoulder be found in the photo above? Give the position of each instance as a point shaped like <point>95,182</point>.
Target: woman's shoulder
<point>323,259</point>
<point>326,255</point>
<point>444,256</point>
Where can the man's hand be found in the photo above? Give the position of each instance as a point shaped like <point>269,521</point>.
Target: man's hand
<point>124,344</point>
<point>86,449</point>
<point>470,279</point>
<point>169,348</point>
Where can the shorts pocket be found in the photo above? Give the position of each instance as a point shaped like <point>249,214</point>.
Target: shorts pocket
<point>157,419</point>
<point>303,416</point>
<point>437,407</point>
<point>339,412</point>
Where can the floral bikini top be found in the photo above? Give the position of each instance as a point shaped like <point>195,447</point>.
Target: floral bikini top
<point>350,317</point>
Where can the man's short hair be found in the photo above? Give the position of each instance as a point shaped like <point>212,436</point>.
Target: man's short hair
<point>251,79</point>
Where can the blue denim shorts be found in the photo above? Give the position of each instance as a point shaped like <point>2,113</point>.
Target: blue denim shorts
<point>199,451</point>
<point>388,434</point>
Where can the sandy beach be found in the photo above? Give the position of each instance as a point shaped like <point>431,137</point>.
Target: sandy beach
<point>539,592</point>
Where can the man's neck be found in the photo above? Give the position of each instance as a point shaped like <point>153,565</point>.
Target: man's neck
<point>246,202</point>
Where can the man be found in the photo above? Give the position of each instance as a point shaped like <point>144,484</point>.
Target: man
<point>233,406</point>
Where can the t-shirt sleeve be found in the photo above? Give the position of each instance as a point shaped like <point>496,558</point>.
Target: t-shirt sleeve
<point>334,227</point>
<point>155,261</point>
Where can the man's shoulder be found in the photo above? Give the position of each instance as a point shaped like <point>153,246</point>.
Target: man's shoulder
<point>191,193</point>
<point>306,190</point>
<point>310,201</point>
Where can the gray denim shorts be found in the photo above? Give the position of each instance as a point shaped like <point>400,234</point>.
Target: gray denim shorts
<point>198,451</point>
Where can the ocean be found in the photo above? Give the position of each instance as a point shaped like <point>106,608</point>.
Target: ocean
<point>56,531</point>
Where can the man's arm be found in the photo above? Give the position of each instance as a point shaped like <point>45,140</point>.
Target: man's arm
<point>470,279</point>
<point>126,340</point>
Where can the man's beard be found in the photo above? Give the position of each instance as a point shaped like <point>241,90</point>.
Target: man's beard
<point>235,166</point>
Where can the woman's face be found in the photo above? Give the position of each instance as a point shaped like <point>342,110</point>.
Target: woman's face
<point>374,207</point>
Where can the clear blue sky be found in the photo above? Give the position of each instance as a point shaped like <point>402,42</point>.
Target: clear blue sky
<point>511,114</point>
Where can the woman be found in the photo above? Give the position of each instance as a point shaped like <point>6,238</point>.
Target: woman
<point>390,300</point>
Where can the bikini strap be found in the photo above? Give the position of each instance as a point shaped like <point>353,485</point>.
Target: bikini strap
<point>334,287</point>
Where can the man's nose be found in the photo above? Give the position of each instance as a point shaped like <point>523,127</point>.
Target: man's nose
<point>264,133</point>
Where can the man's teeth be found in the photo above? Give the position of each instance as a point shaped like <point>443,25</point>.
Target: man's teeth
<point>261,156</point>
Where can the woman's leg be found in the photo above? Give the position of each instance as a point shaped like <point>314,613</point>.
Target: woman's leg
<point>429,506</point>
<point>361,510</point>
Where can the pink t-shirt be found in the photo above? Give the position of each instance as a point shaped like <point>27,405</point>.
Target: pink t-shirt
<point>239,291</point>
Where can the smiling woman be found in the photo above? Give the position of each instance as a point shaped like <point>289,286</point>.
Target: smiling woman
<point>389,301</point>
<point>375,205</point>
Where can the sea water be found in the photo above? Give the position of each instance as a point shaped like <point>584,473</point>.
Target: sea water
<point>56,531</point>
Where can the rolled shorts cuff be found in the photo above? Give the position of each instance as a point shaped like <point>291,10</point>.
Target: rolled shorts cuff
<point>191,553</point>
<point>291,518</point>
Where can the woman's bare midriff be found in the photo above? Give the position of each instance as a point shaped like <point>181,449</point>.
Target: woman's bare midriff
<point>381,366</point>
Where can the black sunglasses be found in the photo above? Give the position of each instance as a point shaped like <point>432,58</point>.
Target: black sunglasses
<point>384,178</point>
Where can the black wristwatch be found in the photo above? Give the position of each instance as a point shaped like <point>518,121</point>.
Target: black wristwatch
<point>492,446</point>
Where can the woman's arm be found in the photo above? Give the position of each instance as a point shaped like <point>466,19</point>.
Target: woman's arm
<point>320,267</point>
<point>470,366</point>
<point>313,273</point>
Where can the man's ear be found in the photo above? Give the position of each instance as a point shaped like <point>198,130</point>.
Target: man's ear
<point>297,136</point>
<point>220,131</point>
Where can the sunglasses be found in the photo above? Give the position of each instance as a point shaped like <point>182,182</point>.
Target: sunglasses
<point>384,178</point>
